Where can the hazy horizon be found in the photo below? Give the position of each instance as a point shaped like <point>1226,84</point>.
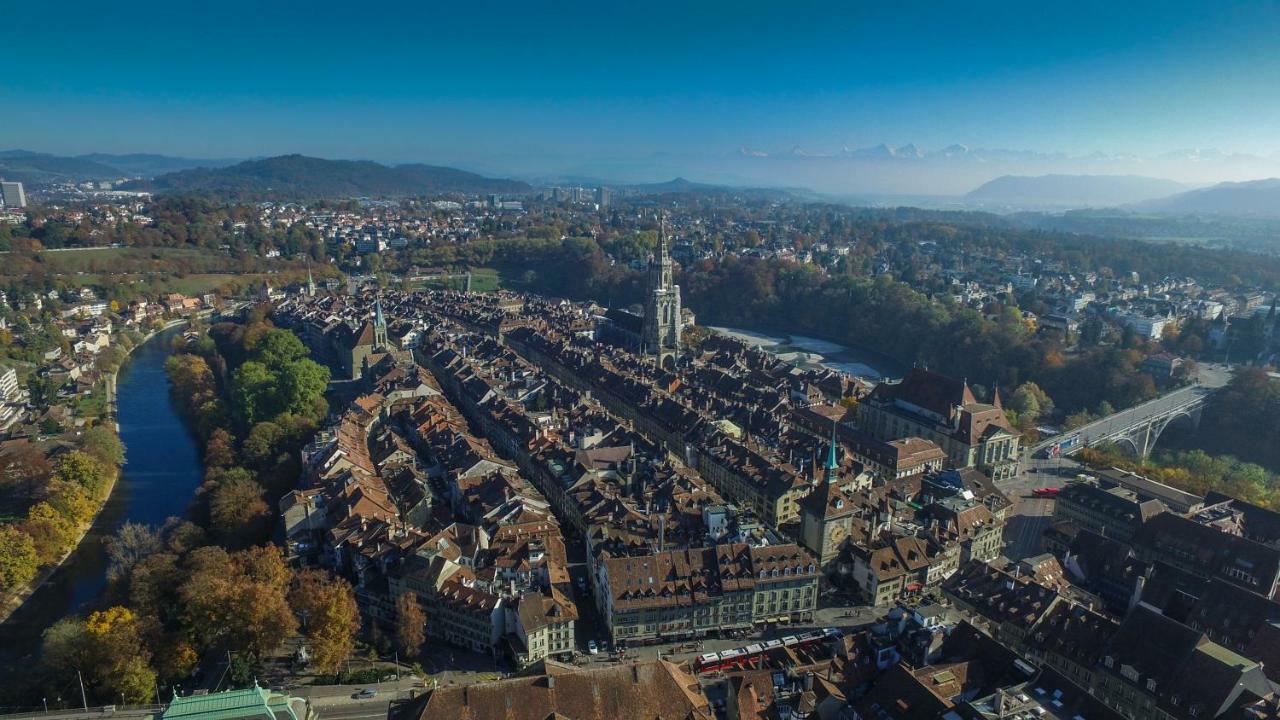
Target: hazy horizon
<point>644,93</point>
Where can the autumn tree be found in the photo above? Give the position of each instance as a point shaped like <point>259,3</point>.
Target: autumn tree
<point>219,449</point>
<point>328,607</point>
<point>18,558</point>
<point>52,533</point>
<point>411,624</point>
<point>238,512</point>
<point>238,598</point>
<point>85,470</point>
<point>24,469</point>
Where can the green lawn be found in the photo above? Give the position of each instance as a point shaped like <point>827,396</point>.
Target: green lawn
<point>482,280</point>
<point>133,259</point>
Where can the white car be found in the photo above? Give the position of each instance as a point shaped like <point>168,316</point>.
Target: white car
<point>592,647</point>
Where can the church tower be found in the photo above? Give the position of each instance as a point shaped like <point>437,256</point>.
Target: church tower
<point>311,283</point>
<point>661,336</point>
<point>379,326</point>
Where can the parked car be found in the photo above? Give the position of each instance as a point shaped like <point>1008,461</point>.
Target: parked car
<point>364,694</point>
<point>592,647</point>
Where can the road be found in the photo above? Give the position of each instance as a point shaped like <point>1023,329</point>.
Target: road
<point>1211,378</point>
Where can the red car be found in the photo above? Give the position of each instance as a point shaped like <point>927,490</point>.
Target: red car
<point>1046,492</point>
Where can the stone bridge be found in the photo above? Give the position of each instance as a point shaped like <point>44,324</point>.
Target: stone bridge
<point>1136,428</point>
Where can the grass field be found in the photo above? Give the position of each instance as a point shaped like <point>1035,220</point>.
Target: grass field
<point>90,260</point>
<point>482,280</point>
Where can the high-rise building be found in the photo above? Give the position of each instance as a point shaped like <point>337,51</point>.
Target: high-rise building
<point>661,336</point>
<point>12,195</point>
<point>602,196</point>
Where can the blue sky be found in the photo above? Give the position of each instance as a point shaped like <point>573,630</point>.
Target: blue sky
<point>480,82</point>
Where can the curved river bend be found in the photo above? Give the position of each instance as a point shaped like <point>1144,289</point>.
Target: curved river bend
<point>161,472</point>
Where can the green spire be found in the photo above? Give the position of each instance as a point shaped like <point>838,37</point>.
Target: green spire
<point>833,464</point>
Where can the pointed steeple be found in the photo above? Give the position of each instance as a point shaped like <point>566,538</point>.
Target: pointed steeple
<point>663,250</point>
<point>833,462</point>
<point>379,325</point>
<point>995,398</point>
<point>311,283</point>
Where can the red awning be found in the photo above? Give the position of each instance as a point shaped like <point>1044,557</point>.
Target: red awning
<point>914,587</point>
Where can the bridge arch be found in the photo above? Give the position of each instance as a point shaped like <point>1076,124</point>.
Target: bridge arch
<point>1127,443</point>
<point>1189,419</point>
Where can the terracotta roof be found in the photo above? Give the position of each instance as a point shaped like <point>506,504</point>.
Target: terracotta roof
<point>640,691</point>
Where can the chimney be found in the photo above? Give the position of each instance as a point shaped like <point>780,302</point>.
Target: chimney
<point>551,682</point>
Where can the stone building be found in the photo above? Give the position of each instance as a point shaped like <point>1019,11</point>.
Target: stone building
<point>944,410</point>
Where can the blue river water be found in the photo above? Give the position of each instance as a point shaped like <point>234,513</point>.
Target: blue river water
<point>161,472</point>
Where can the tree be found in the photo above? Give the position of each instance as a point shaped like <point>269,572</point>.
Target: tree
<point>260,445</point>
<point>277,348</point>
<point>65,645</point>
<point>238,598</point>
<point>1030,401</point>
<point>411,624</point>
<point>18,559</point>
<point>121,663</point>
<point>104,444</point>
<point>52,533</point>
<point>131,544</point>
<point>24,469</point>
<point>332,618</point>
<point>71,501</point>
<point>253,393</point>
<point>238,512</point>
<point>85,470</point>
<point>301,384</point>
<point>219,449</point>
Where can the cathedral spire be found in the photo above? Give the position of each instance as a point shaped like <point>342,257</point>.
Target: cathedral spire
<point>311,283</point>
<point>663,250</point>
<point>379,325</point>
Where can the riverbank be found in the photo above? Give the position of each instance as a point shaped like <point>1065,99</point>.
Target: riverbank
<point>92,528</point>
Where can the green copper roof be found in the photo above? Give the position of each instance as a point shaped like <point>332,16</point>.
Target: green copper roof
<point>254,702</point>
<point>833,463</point>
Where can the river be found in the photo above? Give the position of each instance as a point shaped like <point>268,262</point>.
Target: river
<point>806,351</point>
<point>161,472</point>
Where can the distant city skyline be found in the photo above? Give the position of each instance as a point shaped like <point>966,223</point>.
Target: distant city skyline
<point>590,87</point>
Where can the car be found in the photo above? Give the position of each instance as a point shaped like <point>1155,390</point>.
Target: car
<point>364,694</point>
<point>592,647</point>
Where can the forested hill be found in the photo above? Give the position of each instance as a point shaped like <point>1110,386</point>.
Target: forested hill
<point>1071,191</point>
<point>297,177</point>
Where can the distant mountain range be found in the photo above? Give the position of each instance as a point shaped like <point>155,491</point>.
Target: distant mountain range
<point>301,177</point>
<point>1255,198</point>
<point>148,165</point>
<point>34,168</point>
<point>1069,191</point>
<point>904,170</point>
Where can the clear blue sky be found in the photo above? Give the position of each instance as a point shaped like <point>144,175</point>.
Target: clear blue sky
<point>452,81</point>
